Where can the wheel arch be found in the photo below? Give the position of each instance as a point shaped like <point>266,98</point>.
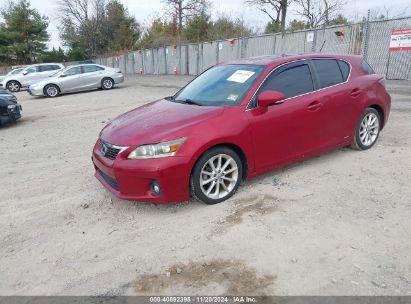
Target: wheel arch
<point>107,77</point>
<point>380,111</point>
<point>57,86</point>
<point>236,148</point>
<point>13,80</point>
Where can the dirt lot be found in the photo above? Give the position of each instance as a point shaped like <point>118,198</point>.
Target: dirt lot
<point>338,224</point>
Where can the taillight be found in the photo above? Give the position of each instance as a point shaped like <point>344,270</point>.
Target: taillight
<point>382,81</point>
<point>118,71</point>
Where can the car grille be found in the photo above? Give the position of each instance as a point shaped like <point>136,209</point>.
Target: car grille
<point>109,180</point>
<point>108,150</point>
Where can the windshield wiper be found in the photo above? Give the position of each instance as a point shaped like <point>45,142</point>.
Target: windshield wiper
<point>188,101</point>
<point>185,101</point>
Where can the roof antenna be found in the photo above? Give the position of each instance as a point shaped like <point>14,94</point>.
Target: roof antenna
<point>322,46</point>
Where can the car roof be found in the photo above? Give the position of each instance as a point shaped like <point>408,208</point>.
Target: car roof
<point>273,60</point>
<point>37,64</point>
<point>84,64</point>
<point>46,63</point>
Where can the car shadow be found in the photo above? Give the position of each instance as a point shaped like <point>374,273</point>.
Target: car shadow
<point>73,93</point>
<point>194,204</point>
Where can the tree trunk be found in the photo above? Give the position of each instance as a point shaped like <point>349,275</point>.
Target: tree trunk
<point>284,4</point>
<point>326,13</point>
<point>180,15</point>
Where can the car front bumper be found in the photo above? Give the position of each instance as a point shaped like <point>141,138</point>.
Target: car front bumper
<point>11,115</point>
<point>132,179</point>
<point>35,91</point>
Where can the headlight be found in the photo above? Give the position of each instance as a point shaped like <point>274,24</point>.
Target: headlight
<point>11,106</point>
<point>164,149</point>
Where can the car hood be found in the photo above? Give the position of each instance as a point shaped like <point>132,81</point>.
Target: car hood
<point>155,122</point>
<point>6,98</point>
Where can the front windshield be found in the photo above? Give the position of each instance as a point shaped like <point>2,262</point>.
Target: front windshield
<point>16,71</point>
<point>223,85</point>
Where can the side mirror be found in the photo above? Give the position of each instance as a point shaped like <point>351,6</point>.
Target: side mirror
<point>270,97</point>
<point>25,73</point>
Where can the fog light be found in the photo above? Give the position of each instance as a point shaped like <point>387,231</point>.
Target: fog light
<point>155,188</point>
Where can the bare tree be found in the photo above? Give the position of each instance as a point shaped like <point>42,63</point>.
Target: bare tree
<point>84,19</point>
<point>182,10</point>
<point>317,12</point>
<point>385,12</point>
<point>275,9</point>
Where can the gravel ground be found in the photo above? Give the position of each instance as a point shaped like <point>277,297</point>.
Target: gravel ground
<point>338,224</point>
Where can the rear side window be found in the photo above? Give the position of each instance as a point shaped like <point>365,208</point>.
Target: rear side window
<point>345,69</point>
<point>91,68</point>
<point>367,68</point>
<point>44,68</point>
<point>292,80</point>
<point>328,72</point>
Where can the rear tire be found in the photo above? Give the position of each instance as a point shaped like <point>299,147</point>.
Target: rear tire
<point>368,130</point>
<point>13,86</point>
<point>51,90</point>
<point>216,175</point>
<point>107,83</point>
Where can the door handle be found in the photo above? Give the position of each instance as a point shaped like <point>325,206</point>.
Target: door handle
<point>355,93</point>
<point>315,105</point>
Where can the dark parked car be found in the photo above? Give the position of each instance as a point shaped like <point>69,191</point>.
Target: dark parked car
<point>10,110</point>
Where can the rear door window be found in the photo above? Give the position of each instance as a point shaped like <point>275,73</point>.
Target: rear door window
<point>91,68</point>
<point>51,67</point>
<point>44,68</point>
<point>345,69</point>
<point>292,80</point>
<point>328,72</point>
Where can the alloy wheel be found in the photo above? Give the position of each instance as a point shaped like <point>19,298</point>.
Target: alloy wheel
<point>107,83</point>
<point>219,176</point>
<point>369,129</point>
<point>52,91</point>
<point>13,86</point>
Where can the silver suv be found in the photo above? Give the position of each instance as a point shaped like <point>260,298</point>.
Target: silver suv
<point>30,74</point>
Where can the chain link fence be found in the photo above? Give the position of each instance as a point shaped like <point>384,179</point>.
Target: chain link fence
<point>369,39</point>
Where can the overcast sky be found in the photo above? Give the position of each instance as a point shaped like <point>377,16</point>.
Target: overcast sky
<point>145,10</point>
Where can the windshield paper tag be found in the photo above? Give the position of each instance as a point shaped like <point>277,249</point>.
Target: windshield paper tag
<point>240,76</point>
<point>232,97</point>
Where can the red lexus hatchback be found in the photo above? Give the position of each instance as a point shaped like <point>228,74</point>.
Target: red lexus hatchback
<point>238,120</point>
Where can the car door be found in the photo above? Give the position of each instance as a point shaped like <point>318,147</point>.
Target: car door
<point>91,77</point>
<point>70,80</point>
<point>50,69</point>
<point>44,71</point>
<point>340,100</point>
<point>286,131</point>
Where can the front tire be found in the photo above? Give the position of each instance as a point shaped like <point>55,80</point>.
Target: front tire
<point>51,90</point>
<point>107,83</point>
<point>216,175</point>
<point>368,129</point>
<point>13,86</point>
